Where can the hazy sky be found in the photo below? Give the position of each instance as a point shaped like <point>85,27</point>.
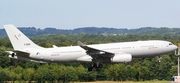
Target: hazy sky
<point>70,14</point>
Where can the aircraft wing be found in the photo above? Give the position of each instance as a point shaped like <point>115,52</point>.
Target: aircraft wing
<point>95,52</point>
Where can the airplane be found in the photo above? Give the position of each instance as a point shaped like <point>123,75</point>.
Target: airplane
<point>122,52</point>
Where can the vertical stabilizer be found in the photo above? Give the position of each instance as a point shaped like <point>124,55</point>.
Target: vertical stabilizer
<point>18,40</point>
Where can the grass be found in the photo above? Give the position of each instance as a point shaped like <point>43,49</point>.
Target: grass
<point>128,82</point>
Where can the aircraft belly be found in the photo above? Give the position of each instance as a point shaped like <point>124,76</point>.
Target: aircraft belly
<point>64,57</point>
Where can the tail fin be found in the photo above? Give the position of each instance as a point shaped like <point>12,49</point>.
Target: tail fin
<point>18,40</point>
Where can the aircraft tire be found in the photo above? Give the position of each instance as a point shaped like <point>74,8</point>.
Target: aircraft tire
<point>90,68</point>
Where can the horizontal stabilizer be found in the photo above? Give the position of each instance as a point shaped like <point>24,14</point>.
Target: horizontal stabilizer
<point>18,52</point>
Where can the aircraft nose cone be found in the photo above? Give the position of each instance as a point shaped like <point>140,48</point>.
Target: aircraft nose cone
<point>175,47</point>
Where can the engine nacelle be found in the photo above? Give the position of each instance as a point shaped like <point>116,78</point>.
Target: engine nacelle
<point>11,54</point>
<point>121,58</point>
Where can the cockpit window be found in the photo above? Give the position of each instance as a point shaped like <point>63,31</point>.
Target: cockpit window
<point>170,44</point>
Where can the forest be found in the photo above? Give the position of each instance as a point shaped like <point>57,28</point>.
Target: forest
<point>32,31</point>
<point>139,69</point>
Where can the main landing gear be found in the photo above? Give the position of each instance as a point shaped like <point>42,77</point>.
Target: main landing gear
<point>95,67</point>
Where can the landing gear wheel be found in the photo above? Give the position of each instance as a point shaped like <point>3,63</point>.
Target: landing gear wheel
<point>95,67</point>
<point>90,68</point>
<point>100,66</point>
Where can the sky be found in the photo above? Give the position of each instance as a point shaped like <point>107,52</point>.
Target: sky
<point>70,14</point>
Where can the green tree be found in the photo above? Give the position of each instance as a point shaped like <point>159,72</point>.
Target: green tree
<point>19,73</point>
<point>28,74</point>
<point>130,72</point>
<point>42,74</point>
<point>12,75</point>
<point>116,72</point>
<point>3,75</point>
<point>173,71</point>
<point>165,66</point>
<point>72,74</point>
<point>4,59</point>
<point>81,72</point>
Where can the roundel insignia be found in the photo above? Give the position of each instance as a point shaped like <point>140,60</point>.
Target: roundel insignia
<point>19,35</point>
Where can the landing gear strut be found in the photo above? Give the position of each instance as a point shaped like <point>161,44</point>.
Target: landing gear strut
<point>95,67</point>
<point>159,59</point>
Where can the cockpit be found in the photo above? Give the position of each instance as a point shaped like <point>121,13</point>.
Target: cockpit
<point>170,44</point>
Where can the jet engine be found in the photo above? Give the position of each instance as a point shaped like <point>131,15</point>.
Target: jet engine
<point>11,54</point>
<point>121,58</point>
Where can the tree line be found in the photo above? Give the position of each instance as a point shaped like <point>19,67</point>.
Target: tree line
<point>32,31</point>
<point>140,69</point>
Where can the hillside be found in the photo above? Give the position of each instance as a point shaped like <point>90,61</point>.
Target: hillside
<point>32,31</point>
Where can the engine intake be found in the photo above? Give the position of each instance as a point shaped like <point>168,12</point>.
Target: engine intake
<point>13,54</point>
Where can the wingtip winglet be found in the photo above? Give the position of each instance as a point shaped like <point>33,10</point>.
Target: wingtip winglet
<point>81,44</point>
